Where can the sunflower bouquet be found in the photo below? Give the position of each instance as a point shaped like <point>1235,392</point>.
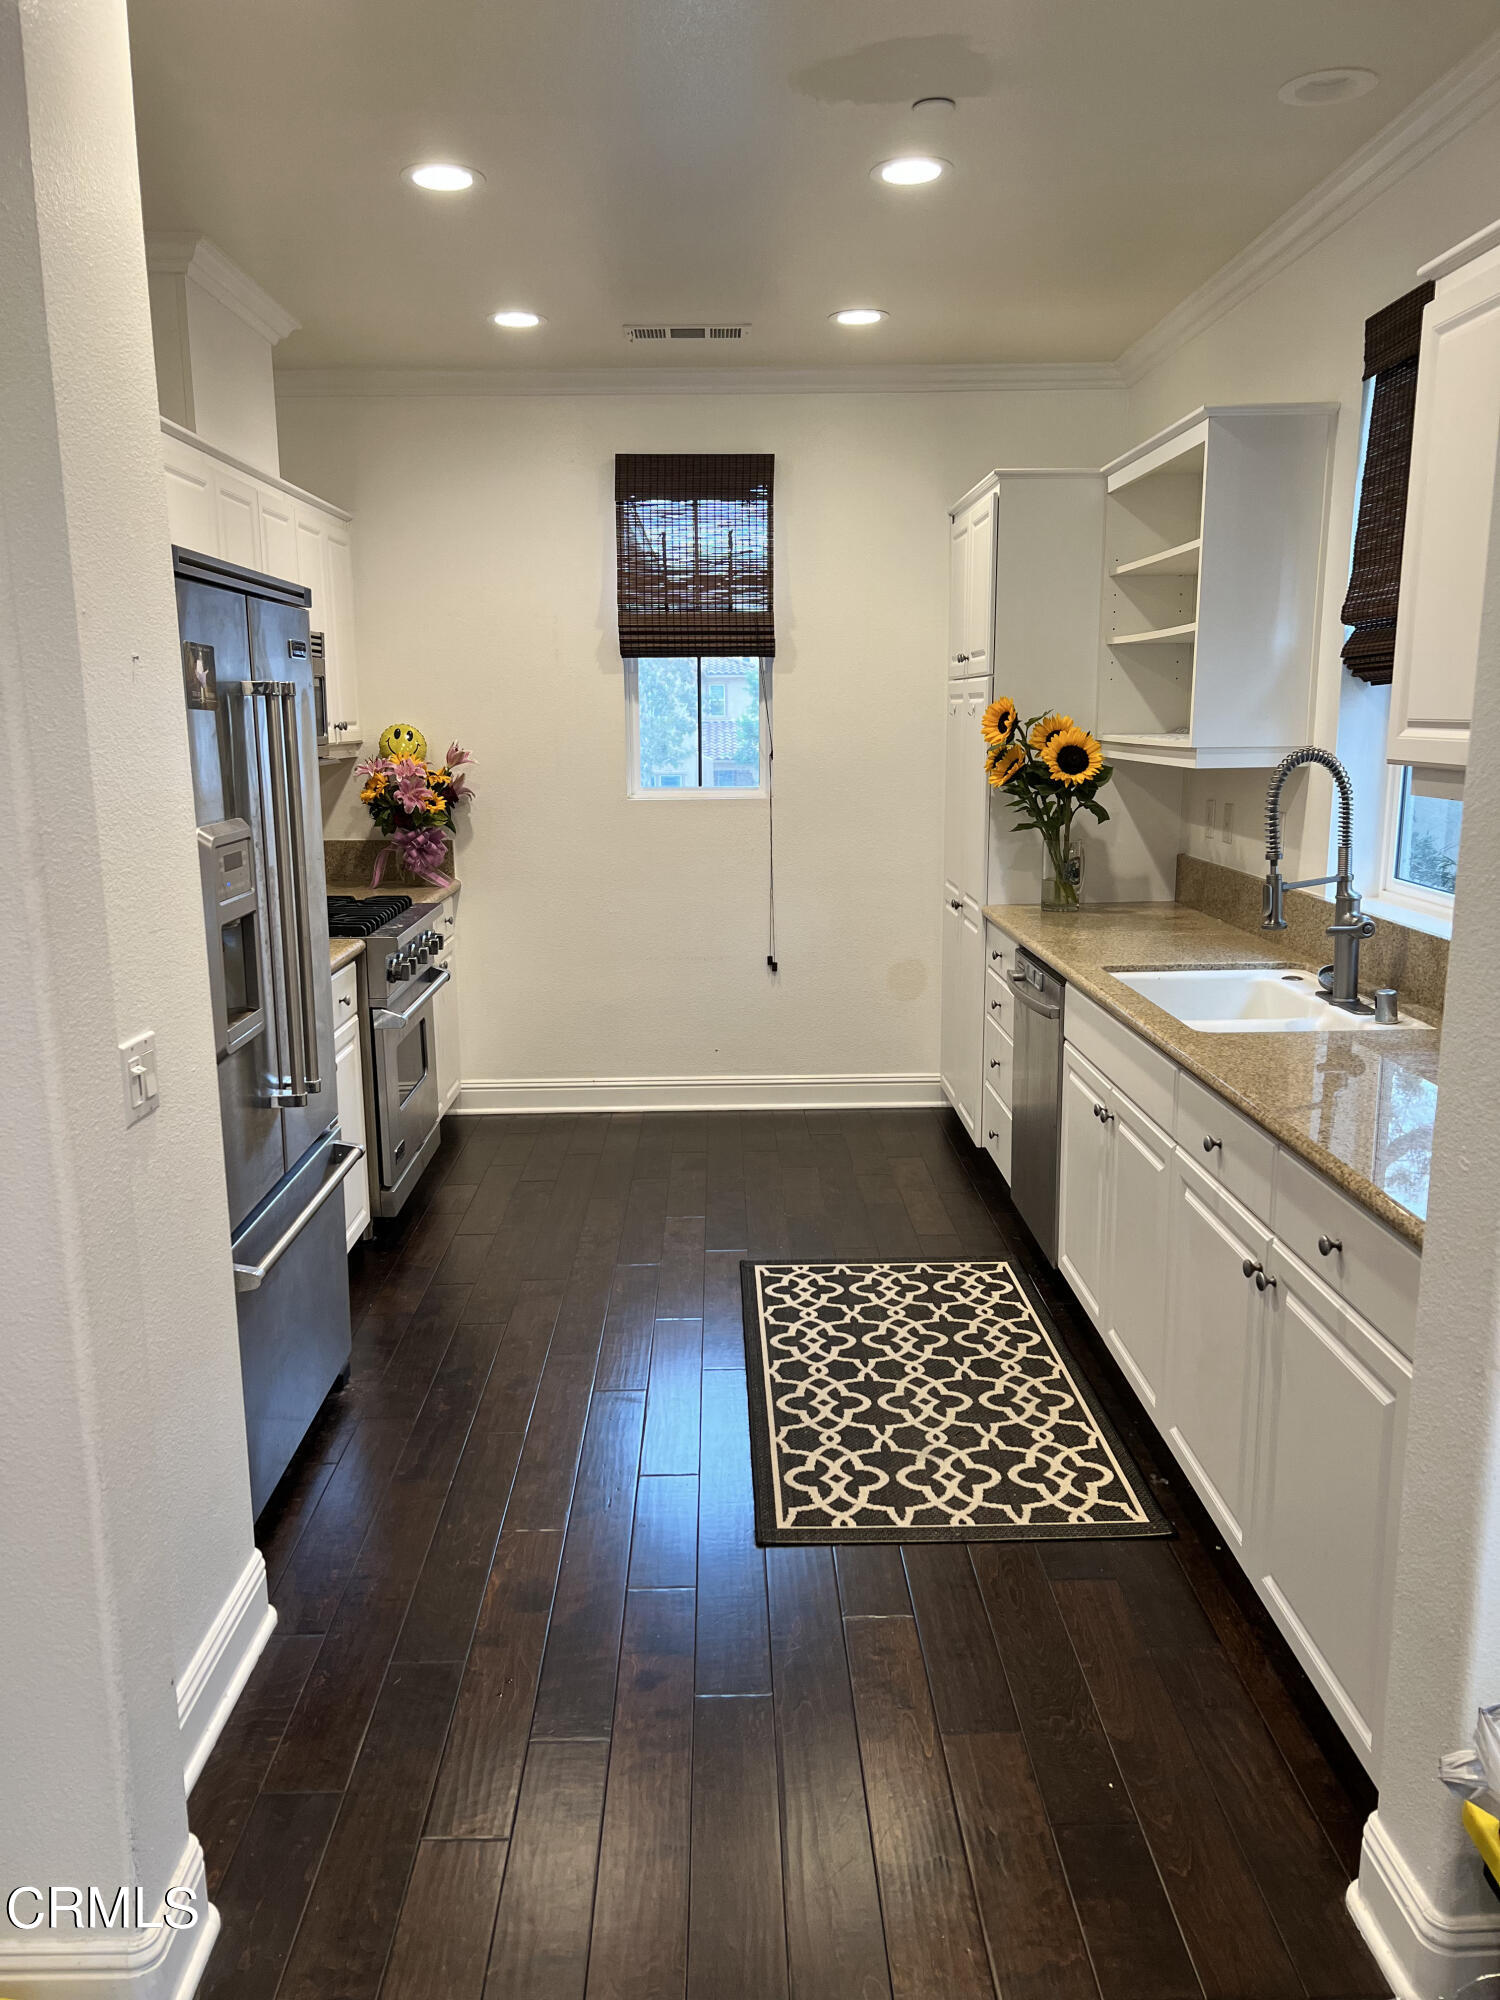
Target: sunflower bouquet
<point>414,803</point>
<point>1047,769</point>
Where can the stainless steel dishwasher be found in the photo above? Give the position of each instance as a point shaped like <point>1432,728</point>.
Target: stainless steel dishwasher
<point>1036,1097</point>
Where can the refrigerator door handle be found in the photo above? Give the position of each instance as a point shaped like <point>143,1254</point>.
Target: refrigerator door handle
<point>278,699</point>
<point>312,1081</point>
<point>250,1272</point>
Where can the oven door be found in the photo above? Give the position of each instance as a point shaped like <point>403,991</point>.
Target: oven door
<point>406,1086</point>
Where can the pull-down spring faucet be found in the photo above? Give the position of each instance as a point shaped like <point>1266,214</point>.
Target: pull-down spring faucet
<point>1348,926</point>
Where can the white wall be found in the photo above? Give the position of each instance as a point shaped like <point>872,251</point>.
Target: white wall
<point>620,939</point>
<point>124,1495</point>
<point>1300,338</point>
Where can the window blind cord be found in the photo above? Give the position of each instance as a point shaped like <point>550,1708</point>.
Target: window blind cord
<point>765,703</point>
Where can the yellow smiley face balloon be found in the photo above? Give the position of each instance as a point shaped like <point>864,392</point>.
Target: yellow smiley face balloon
<point>401,740</point>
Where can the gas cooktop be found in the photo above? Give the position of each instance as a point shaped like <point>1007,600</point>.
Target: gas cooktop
<point>362,916</point>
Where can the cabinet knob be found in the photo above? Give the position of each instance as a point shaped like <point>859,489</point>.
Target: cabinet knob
<point>1250,1267</point>
<point>1328,1244</point>
<point>1209,1144</point>
<point>994,1062</point>
<point>1263,1283</point>
<point>996,1137</point>
<point>954,906</point>
<point>960,657</point>
<point>997,955</point>
<point>1102,1114</point>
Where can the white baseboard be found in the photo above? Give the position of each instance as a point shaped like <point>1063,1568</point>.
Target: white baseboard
<point>696,1093</point>
<point>1423,1952</point>
<point>218,1671</point>
<point>163,1964</point>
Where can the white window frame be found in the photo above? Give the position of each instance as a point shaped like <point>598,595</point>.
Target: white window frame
<point>634,789</point>
<point>1434,904</point>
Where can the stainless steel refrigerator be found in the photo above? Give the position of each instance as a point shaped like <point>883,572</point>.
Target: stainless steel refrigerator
<point>248,687</point>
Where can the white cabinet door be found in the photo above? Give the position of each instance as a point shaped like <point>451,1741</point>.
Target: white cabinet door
<point>1215,1332</point>
<point>969,1018</point>
<point>974,796</point>
<point>979,592</point>
<point>957,776</point>
<point>1083,1182</point>
<point>1325,1538</point>
<point>1140,1215</point>
<point>445,1025</point>
<point>1456,431</point>
<point>958,596</point>
<point>237,511</point>
<point>349,1077</point>
<point>192,516</point>
<point>949,1054</point>
<point>343,672</point>
<point>278,535</point>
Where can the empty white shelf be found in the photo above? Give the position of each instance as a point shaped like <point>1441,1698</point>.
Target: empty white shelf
<point>1181,561</point>
<point>1167,635</point>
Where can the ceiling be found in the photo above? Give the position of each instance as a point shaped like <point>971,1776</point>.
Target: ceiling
<point>673,159</point>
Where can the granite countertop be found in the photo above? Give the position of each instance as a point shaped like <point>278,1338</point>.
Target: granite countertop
<point>343,951</point>
<point>1358,1106</point>
<point>420,892</point>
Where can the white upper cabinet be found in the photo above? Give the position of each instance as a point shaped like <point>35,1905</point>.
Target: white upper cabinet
<point>218,508</point>
<point>971,586</point>
<point>1213,544</point>
<point>1455,434</point>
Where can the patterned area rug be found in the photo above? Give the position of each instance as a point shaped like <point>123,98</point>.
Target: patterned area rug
<point>924,1402</point>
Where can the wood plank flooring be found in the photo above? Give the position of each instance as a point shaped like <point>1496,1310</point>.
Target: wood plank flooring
<point>541,1722</point>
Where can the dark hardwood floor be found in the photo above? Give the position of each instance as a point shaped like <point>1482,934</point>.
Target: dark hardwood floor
<point>540,1721</point>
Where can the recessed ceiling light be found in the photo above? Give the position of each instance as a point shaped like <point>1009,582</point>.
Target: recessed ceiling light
<point>910,170</point>
<point>443,177</point>
<point>516,319</point>
<point>859,316</point>
<point>1328,86</point>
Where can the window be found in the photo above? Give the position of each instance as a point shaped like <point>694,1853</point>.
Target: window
<point>698,725</point>
<point>1424,819</point>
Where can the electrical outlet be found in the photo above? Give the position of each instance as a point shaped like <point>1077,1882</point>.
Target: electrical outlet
<point>138,1071</point>
<point>1227,835</point>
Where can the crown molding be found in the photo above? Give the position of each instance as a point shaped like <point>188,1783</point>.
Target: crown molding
<point>1427,124</point>
<point>300,383</point>
<point>185,253</point>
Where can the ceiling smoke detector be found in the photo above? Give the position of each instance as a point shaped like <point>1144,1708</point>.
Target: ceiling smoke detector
<point>660,332</point>
<point>1328,86</point>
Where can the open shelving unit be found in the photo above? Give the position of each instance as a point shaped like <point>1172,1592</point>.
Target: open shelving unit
<point>1213,537</point>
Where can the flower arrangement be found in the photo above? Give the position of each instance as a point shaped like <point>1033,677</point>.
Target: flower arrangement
<point>414,803</point>
<point>1048,768</point>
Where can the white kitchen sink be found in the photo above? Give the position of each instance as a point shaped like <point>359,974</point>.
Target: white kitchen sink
<point>1248,1000</point>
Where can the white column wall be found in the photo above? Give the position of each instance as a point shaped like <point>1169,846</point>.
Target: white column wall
<point>1420,1898</point>
<point>124,1506</point>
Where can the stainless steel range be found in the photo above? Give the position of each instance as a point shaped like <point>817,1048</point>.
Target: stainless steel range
<point>404,966</point>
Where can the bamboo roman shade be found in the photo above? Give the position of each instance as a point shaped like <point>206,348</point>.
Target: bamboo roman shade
<point>1393,337</point>
<point>693,542</point>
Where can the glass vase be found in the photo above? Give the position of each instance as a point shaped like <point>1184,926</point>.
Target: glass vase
<point>1062,875</point>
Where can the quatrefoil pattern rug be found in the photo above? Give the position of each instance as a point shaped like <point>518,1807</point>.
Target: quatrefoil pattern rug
<point>924,1402</point>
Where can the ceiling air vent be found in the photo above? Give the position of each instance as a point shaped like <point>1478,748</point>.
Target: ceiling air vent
<point>664,333</point>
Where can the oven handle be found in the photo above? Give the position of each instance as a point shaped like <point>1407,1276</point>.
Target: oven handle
<point>393,1017</point>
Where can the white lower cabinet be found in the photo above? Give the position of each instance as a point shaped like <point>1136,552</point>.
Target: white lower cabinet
<point>1215,1335</point>
<point>350,1081</point>
<point>1083,1182</point>
<point>445,1017</point>
<point>1135,1293</point>
<point>1282,1391</point>
<point>1333,1436</point>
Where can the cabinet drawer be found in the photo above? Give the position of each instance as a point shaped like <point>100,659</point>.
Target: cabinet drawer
<point>999,952</point>
<point>1226,1145</point>
<point>1365,1264</point>
<point>995,1131</point>
<point>999,1002</point>
<point>1143,1075</point>
<point>999,1061</point>
<point>345,995</point>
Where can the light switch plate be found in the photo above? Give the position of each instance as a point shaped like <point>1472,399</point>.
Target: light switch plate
<point>138,1071</point>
